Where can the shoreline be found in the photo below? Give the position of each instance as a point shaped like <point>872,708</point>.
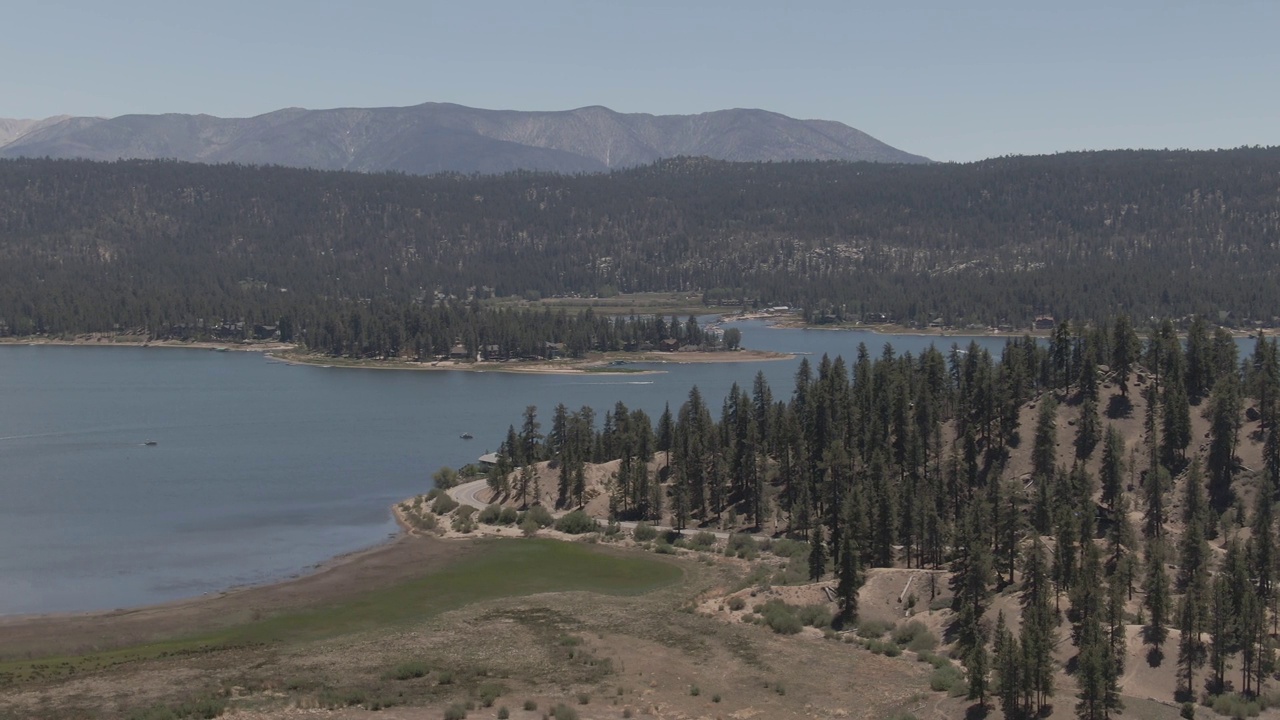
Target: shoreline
<point>127,341</point>
<point>596,365</point>
<point>400,557</point>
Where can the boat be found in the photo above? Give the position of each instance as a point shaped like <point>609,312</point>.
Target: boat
<point>467,436</point>
<point>150,443</point>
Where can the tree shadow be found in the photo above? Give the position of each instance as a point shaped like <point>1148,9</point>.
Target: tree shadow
<point>1119,406</point>
<point>1155,656</point>
<point>976,711</point>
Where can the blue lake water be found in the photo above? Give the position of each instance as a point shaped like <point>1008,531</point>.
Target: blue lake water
<point>262,469</point>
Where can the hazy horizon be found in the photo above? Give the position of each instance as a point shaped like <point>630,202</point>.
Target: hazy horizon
<point>933,79</point>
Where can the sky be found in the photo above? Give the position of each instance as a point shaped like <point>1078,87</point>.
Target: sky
<point>950,80</point>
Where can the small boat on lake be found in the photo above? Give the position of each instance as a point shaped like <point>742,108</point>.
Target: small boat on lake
<point>151,443</point>
<point>467,436</point>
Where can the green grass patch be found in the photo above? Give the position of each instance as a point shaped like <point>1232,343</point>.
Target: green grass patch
<point>503,568</point>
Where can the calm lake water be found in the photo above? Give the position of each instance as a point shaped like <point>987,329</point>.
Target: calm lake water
<point>261,469</point>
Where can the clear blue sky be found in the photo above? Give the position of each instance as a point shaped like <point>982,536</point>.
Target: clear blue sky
<point>950,80</point>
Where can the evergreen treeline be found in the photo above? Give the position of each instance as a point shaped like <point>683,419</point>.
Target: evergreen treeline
<point>899,460</point>
<point>179,249</point>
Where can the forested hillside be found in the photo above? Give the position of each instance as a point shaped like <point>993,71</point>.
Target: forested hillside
<point>1103,507</point>
<point>175,248</point>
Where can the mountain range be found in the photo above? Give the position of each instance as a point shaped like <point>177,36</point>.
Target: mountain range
<point>442,137</point>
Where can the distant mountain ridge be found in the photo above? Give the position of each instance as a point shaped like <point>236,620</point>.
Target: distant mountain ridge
<point>442,137</point>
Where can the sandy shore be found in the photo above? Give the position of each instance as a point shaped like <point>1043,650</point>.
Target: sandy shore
<point>601,364</point>
<point>136,341</point>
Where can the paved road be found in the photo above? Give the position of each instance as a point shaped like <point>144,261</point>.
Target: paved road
<point>477,494</point>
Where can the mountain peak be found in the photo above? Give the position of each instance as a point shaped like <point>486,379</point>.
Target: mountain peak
<point>437,137</point>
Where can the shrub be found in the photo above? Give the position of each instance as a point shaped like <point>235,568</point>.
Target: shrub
<point>576,523</point>
<point>946,679</point>
<point>694,690</point>
<point>664,548</point>
<point>737,603</point>
<point>937,661</point>
<point>463,523</point>
<point>443,504</point>
<point>410,670</point>
<point>489,692</point>
<point>703,540</point>
<point>583,698</point>
<point>881,647</point>
<point>445,478</point>
<point>915,637</point>
<point>445,678</point>
<point>508,516</point>
<point>1188,711</point>
<point>872,629</point>
<point>489,515</point>
<point>540,515</point>
<point>743,546</point>
<point>503,713</point>
<point>780,616</point>
<point>423,522</point>
<point>790,548</point>
<point>1235,706</point>
<point>564,712</point>
<point>455,712</point>
<point>529,527</point>
<point>644,532</point>
<point>815,615</point>
<point>715,698</point>
<point>530,706</point>
<point>613,529</point>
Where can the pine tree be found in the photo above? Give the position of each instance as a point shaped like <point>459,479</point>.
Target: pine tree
<point>1124,349</point>
<point>1008,669</point>
<point>977,667</point>
<point>1087,431</point>
<point>1111,469</point>
<point>1044,450</point>
<point>849,581</point>
<point>817,554</point>
<point>1190,646</point>
<point>1224,426</point>
<point>1156,601</point>
<point>1039,629</point>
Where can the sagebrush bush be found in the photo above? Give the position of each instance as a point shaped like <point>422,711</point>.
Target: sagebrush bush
<point>540,515</point>
<point>410,670</point>
<point>790,548</point>
<point>740,545</point>
<point>781,617</point>
<point>443,504</point>
<point>872,629</point>
<point>576,523</point>
<point>915,637</point>
<point>489,515</point>
<point>644,532</point>
<point>702,541</point>
<point>508,516</point>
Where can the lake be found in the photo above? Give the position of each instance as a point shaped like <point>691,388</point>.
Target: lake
<point>261,469</point>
